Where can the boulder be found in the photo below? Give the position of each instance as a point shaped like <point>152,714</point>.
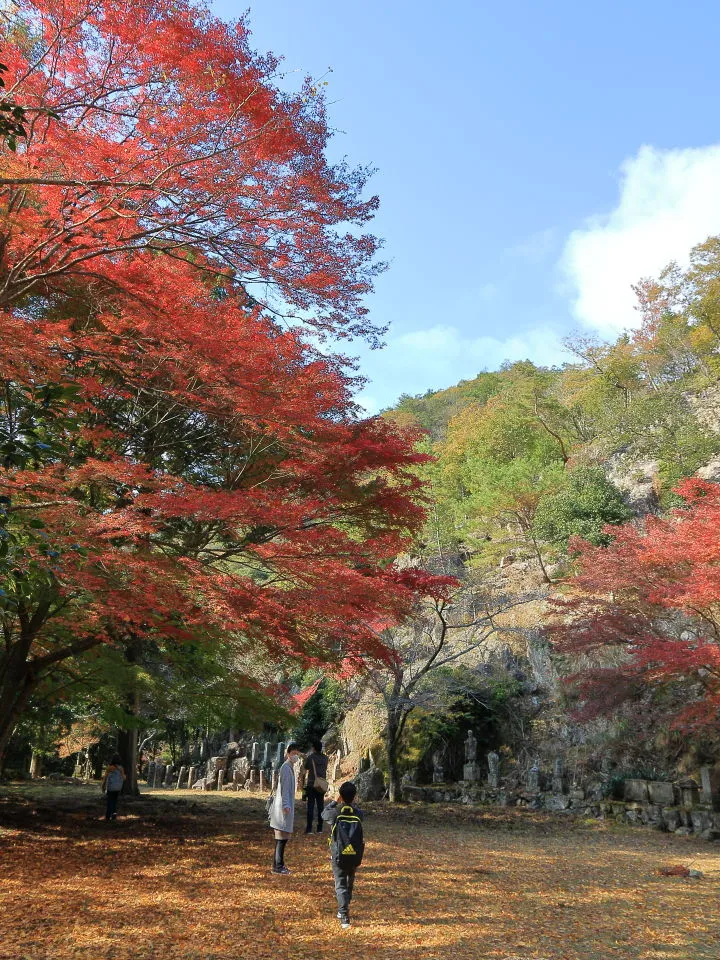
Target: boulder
<point>242,766</point>
<point>710,834</point>
<point>370,785</point>
<point>701,820</point>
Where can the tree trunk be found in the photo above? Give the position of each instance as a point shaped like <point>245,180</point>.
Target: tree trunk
<point>35,765</point>
<point>127,748</point>
<point>391,745</point>
<point>127,740</point>
<point>16,685</point>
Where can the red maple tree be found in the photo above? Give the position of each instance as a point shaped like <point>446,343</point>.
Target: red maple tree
<point>177,461</point>
<point>642,616</point>
<point>155,126</point>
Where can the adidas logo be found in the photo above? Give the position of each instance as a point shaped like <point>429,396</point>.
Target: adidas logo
<point>349,849</point>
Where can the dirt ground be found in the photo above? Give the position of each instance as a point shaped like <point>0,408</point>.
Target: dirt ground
<point>185,877</point>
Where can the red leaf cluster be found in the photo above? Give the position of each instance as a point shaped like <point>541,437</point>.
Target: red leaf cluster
<point>645,611</point>
<point>169,211</point>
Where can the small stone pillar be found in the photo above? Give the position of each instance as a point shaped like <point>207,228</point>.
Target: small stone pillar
<point>181,777</point>
<point>255,754</point>
<point>220,779</point>
<point>493,762</point>
<point>168,776</point>
<point>267,756</point>
<point>438,768</point>
<point>532,784</point>
<point>279,755</point>
<point>192,777</point>
<point>558,779</point>
<point>150,773</point>
<point>471,770</point>
<point>710,782</point>
<point>159,774</point>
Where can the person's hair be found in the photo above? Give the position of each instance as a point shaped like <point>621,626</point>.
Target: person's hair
<point>317,745</point>
<point>347,791</point>
<point>115,759</point>
<point>292,746</point>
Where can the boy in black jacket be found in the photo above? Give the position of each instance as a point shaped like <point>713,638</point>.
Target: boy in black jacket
<point>344,865</point>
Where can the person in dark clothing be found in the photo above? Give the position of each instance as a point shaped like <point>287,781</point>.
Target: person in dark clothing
<point>344,877</point>
<point>112,784</point>
<point>316,766</point>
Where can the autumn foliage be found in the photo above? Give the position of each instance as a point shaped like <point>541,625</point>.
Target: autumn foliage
<point>179,461</point>
<point>642,616</point>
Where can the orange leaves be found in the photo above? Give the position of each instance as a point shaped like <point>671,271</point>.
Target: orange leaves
<point>188,879</point>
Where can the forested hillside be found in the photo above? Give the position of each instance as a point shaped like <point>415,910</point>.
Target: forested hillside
<point>528,456</point>
<point>575,480</point>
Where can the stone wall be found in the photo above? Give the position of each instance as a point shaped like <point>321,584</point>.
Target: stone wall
<point>683,807</point>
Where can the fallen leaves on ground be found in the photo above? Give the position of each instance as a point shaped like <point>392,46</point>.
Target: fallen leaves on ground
<point>187,878</point>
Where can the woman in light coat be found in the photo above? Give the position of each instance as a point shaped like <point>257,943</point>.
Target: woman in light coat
<point>282,809</point>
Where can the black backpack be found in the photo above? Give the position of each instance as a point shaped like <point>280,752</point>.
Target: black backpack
<point>346,839</point>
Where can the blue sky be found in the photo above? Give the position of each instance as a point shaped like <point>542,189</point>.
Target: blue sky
<point>534,159</point>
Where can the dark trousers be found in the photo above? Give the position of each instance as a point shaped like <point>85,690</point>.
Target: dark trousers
<point>344,882</point>
<point>112,800</point>
<point>314,799</point>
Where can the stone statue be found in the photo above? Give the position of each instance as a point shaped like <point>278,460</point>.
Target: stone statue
<point>438,768</point>
<point>533,778</point>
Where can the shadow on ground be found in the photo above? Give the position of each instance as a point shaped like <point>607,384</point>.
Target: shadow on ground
<point>184,877</point>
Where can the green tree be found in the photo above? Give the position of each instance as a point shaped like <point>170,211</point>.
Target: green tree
<point>580,506</point>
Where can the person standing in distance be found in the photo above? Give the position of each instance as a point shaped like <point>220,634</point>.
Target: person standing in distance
<point>112,784</point>
<point>316,766</point>
<point>282,809</point>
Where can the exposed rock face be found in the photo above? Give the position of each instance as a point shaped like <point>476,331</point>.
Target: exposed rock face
<point>711,470</point>
<point>370,784</point>
<point>636,481</point>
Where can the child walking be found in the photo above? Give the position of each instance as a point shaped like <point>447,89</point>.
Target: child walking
<point>112,784</point>
<point>346,846</point>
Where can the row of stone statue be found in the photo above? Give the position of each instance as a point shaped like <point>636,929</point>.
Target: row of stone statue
<point>472,772</point>
<point>471,767</point>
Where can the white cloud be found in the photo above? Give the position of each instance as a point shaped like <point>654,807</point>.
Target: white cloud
<point>669,201</point>
<point>443,342</point>
<point>440,356</point>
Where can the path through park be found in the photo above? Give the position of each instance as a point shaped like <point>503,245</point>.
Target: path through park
<point>187,877</point>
